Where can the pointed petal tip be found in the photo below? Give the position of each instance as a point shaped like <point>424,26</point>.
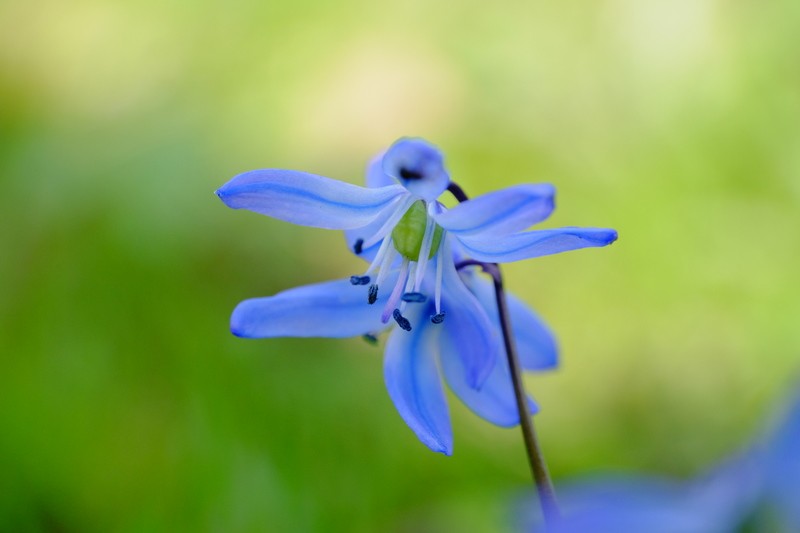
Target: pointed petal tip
<point>238,321</point>
<point>239,333</point>
<point>223,193</point>
<point>512,419</point>
<point>476,377</point>
<point>533,406</point>
<point>475,382</point>
<point>545,366</point>
<point>436,445</point>
<point>544,189</point>
<point>598,236</point>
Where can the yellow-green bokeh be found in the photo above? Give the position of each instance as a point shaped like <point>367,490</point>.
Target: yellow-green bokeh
<point>125,403</point>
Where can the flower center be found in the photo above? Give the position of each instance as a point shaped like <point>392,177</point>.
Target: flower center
<point>416,238</point>
<point>409,233</point>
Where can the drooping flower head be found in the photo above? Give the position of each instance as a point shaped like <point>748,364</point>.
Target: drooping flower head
<point>418,166</point>
<point>412,286</point>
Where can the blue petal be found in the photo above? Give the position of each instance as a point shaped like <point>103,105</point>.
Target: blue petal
<point>467,331</point>
<point>415,387</point>
<point>728,493</point>
<point>365,233</point>
<point>376,177</point>
<point>535,243</point>
<point>330,309</point>
<point>500,212</point>
<point>418,166</point>
<point>783,464</point>
<point>307,199</point>
<point>495,401</point>
<point>536,345</point>
<point>630,505</point>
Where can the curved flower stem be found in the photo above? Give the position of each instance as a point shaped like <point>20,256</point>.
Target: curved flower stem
<point>457,192</point>
<point>544,485</point>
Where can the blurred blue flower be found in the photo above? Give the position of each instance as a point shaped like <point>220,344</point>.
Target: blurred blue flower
<point>757,490</point>
<point>411,242</point>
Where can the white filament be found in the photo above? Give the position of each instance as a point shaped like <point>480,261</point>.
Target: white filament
<point>379,256</point>
<point>424,252</point>
<point>391,303</point>
<point>439,267</point>
<point>391,222</point>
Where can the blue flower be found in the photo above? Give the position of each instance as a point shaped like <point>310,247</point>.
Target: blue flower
<point>440,317</point>
<point>756,490</point>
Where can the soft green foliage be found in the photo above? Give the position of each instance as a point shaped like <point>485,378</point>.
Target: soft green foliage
<point>125,403</point>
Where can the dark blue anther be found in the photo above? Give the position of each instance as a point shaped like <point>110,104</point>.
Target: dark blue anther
<point>370,338</point>
<point>438,318</point>
<point>401,320</point>
<point>373,294</point>
<point>359,280</point>
<point>358,247</point>
<point>416,297</point>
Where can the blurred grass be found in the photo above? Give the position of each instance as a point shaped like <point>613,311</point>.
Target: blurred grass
<point>126,405</point>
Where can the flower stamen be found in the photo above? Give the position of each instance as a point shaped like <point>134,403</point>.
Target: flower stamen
<point>391,304</point>
<point>437,293</point>
<point>391,222</point>
<point>372,295</point>
<point>386,264</point>
<point>379,256</point>
<point>409,283</point>
<point>401,320</point>
<point>424,252</point>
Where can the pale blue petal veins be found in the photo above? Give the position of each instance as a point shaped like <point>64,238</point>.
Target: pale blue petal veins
<point>536,344</point>
<point>418,166</point>
<point>415,387</point>
<point>495,401</point>
<point>536,243</point>
<point>307,199</point>
<point>330,309</point>
<point>466,331</point>
<point>500,212</point>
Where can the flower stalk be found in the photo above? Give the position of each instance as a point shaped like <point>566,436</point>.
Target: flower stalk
<point>538,466</point>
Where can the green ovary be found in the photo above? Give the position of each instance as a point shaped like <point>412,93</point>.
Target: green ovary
<point>409,233</point>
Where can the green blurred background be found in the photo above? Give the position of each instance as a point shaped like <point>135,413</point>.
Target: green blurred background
<point>125,403</point>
